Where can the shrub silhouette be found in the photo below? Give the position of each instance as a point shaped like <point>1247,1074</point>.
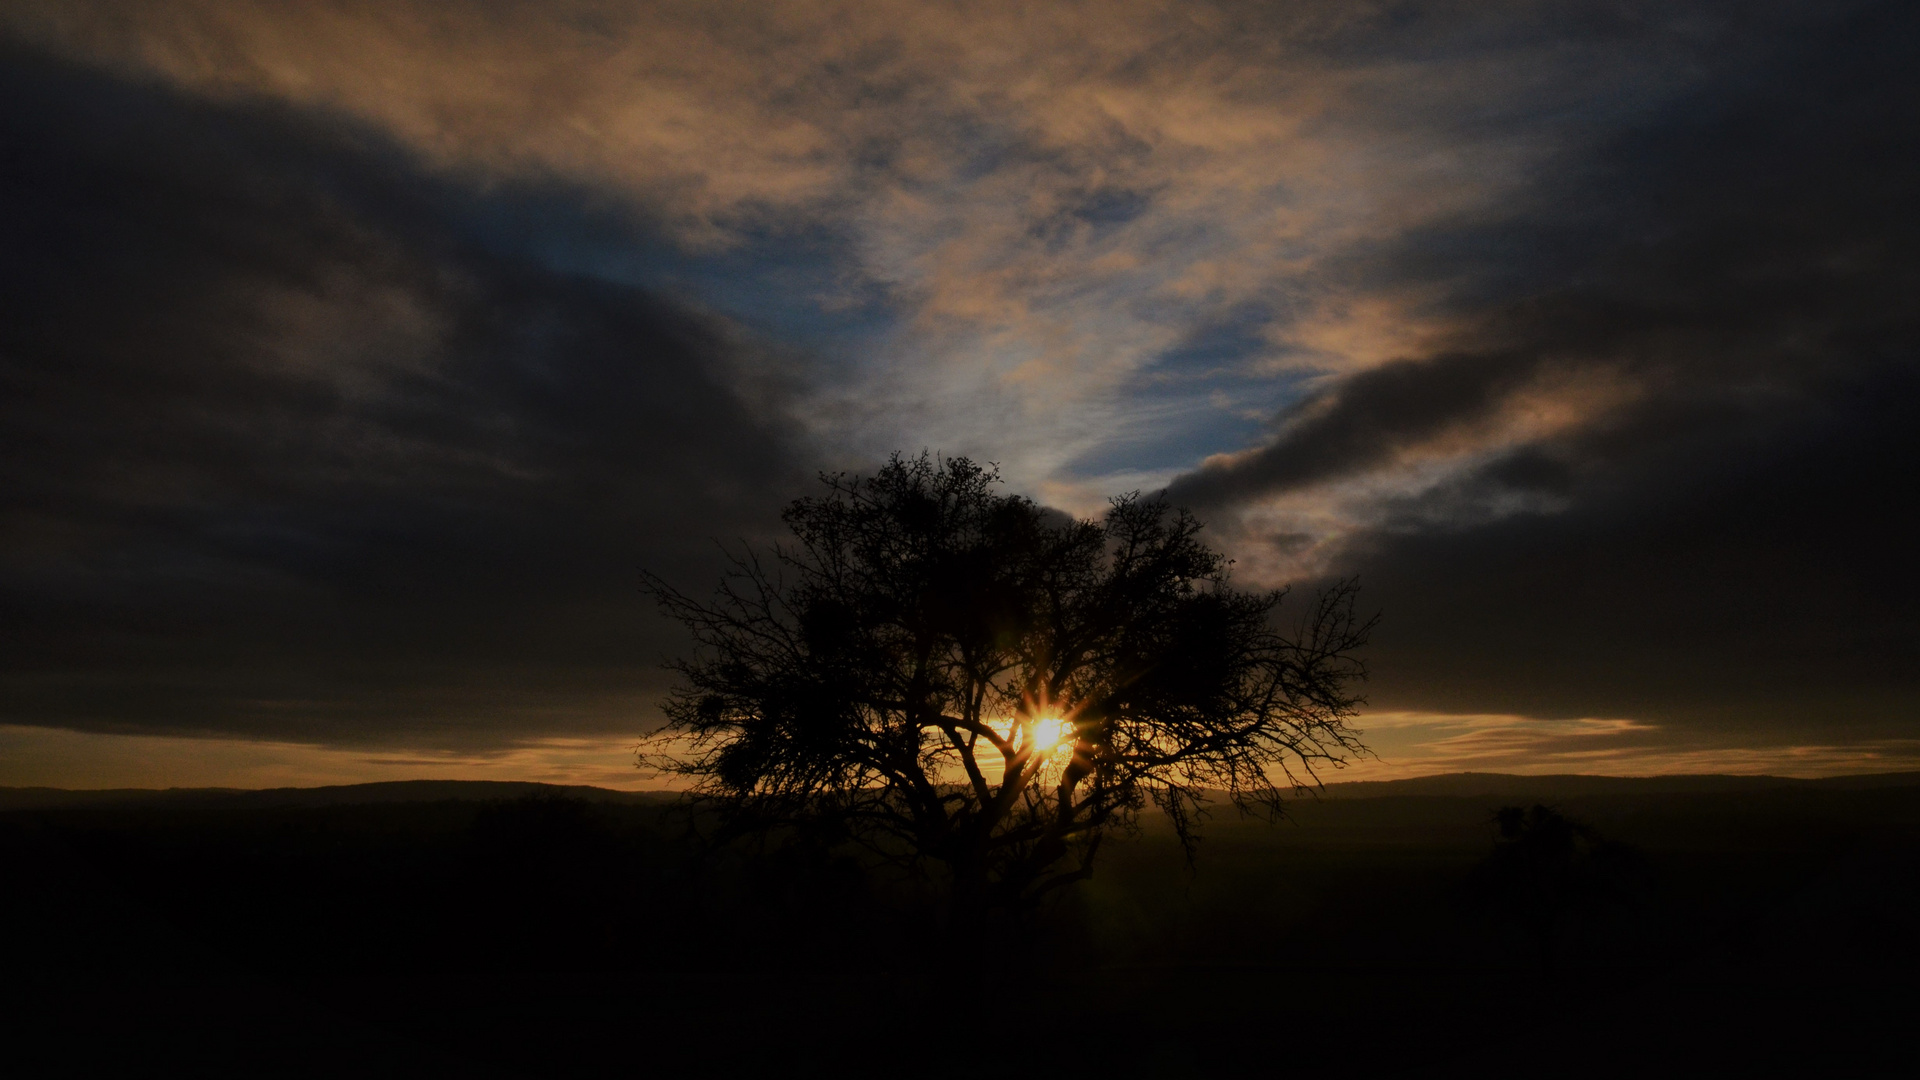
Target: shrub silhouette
<point>1546,867</point>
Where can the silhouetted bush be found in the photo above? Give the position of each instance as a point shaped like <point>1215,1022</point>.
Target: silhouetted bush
<point>1547,869</point>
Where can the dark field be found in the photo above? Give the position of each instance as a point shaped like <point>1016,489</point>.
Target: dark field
<point>499,929</point>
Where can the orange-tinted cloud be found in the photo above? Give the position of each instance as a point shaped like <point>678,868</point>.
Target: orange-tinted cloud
<point>1053,196</point>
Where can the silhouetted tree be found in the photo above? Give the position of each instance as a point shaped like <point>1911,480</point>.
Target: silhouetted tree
<point>965,682</point>
<point>1545,867</point>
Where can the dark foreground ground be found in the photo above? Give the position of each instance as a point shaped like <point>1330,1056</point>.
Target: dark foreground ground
<point>442,929</point>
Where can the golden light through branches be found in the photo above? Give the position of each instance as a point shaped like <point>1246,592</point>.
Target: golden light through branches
<point>1042,735</point>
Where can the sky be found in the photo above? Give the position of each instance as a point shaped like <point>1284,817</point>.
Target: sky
<point>357,358</point>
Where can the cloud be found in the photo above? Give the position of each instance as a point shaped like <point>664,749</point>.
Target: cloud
<point>1423,744</point>
<point>1369,421</point>
<point>298,443</point>
<point>1580,331</point>
<point>50,757</point>
<point>1050,201</point>
<point>1657,466</point>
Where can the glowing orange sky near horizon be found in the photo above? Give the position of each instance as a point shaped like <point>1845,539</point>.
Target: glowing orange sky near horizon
<point>1407,745</point>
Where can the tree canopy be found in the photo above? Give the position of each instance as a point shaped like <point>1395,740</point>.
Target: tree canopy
<point>968,683</point>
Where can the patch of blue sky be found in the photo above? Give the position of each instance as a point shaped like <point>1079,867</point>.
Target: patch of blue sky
<point>987,150</point>
<point>1171,426</point>
<point>799,286</point>
<point>1227,341</point>
<point>1094,213</point>
<point>1113,206</point>
<point>1204,395</point>
<point>1165,435</point>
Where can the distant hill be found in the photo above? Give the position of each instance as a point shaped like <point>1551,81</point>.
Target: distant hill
<point>392,791</point>
<point>1455,785</point>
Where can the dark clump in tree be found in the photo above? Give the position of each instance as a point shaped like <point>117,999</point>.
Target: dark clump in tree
<point>966,683</point>
<point>1546,868</point>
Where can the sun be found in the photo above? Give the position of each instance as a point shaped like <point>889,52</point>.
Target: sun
<point>1049,733</point>
<point>1043,736</point>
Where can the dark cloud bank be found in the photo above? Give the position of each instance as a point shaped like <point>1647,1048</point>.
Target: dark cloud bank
<point>1731,548</point>
<point>296,443</point>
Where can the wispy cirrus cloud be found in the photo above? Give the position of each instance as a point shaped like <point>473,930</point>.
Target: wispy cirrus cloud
<point>1053,204</point>
<point>42,757</point>
<point>1423,744</point>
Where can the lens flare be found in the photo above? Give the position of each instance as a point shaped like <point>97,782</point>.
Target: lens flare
<point>1049,733</point>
